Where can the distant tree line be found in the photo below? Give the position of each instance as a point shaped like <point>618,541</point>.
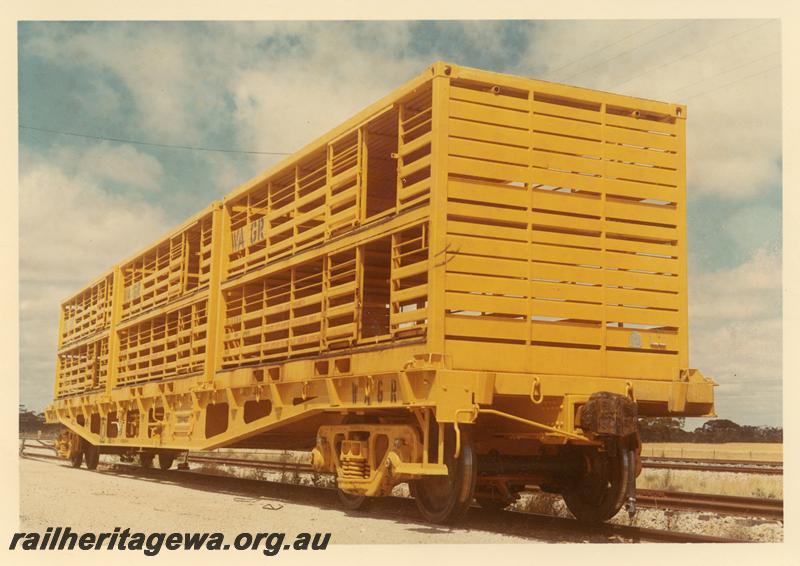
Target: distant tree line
<point>31,422</point>
<point>670,429</point>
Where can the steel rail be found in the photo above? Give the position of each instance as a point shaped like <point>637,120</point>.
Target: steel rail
<point>720,504</point>
<point>767,470</point>
<point>609,530</point>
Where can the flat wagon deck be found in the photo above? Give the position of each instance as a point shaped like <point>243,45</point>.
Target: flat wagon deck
<point>474,284</point>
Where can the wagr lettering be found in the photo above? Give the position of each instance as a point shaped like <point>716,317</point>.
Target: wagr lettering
<point>255,234</point>
<point>257,231</point>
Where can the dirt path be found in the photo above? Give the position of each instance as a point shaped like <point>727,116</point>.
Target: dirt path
<point>53,494</point>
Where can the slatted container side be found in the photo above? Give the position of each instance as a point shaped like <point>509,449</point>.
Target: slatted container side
<point>172,269</point>
<point>82,368</point>
<point>169,344</point>
<point>372,170</point>
<point>565,231</point>
<point>365,294</point>
<point>88,312</point>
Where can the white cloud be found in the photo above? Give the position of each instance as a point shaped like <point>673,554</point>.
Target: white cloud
<point>282,104</point>
<point>121,164</point>
<point>735,332</point>
<point>156,64</point>
<point>71,231</point>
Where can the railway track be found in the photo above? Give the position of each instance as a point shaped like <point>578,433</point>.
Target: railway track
<point>733,466</point>
<point>720,504</point>
<point>725,505</point>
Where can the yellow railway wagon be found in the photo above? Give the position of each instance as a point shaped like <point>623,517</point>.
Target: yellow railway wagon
<point>475,284</point>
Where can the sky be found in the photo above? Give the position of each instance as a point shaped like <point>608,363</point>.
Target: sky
<point>86,203</point>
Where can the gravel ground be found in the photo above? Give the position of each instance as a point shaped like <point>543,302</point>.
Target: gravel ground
<point>54,494</point>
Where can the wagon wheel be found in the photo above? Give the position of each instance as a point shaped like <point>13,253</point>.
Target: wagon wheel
<point>75,450</point>
<point>76,459</point>
<point>146,459</point>
<point>354,502</point>
<point>599,494</point>
<point>92,455</point>
<point>165,461</point>
<point>445,499</point>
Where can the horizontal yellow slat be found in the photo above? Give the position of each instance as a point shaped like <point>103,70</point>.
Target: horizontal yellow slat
<point>406,193</point>
<point>641,230</point>
<point>415,292</point>
<point>343,289</point>
<point>484,327</point>
<point>560,254</point>
<point>643,316</point>
<point>567,202</point>
<point>507,195</point>
<point>340,331</point>
<point>638,155</point>
<point>642,280</point>
<point>568,273</point>
<point>414,166</point>
<point>568,180</point>
<point>561,238</point>
<point>564,309</point>
<point>485,303</point>
<point>340,310</point>
<point>490,98</point>
<point>642,298</point>
<point>644,247</point>
<point>414,145</point>
<point>408,316</point>
<point>641,262</point>
<point>635,189</point>
<point>487,266</point>
<point>566,333</point>
<point>488,151</point>
<point>642,212</point>
<point>482,246</point>
<point>479,283</point>
<point>541,107</point>
<point>489,132</point>
<point>342,197</point>
<point>410,270</point>
<point>569,292</point>
<point>487,212</point>
<point>577,164</point>
<point>620,121</point>
<point>555,142</point>
<point>641,173</point>
<point>568,222</point>
<point>487,231</point>
<point>489,170</point>
<point>567,127</point>
<point>643,139</point>
<point>488,114</point>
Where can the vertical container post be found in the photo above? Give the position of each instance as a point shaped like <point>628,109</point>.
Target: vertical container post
<point>683,340</point>
<point>59,341</point>
<point>216,303</point>
<point>437,256</point>
<point>113,339</point>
